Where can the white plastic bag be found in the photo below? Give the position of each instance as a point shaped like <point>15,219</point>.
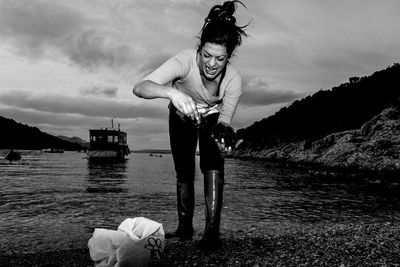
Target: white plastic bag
<point>137,242</point>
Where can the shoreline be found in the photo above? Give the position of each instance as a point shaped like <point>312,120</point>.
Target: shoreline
<point>324,244</point>
<point>325,170</point>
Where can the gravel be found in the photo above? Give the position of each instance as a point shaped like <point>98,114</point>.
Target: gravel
<point>340,245</point>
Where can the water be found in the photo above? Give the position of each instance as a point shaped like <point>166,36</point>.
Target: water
<point>54,201</point>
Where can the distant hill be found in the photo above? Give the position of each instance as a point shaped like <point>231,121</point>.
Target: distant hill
<point>75,140</point>
<point>342,108</point>
<point>21,136</point>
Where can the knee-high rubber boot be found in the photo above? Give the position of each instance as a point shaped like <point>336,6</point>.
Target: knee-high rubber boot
<point>213,191</point>
<point>185,204</point>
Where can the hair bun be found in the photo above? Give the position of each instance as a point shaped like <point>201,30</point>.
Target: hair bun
<point>229,6</point>
<point>223,13</point>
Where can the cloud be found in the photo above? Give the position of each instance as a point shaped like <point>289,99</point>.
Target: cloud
<point>122,37</point>
<point>245,116</point>
<point>92,49</point>
<point>100,90</point>
<point>147,127</point>
<point>43,29</point>
<point>153,62</point>
<point>85,106</point>
<point>257,92</point>
<point>51,120</point>
<point>32,26</point>
<point>93,35</point>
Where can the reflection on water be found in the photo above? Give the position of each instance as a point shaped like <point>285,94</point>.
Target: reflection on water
<point>106,177</point>
<point>54,201</point>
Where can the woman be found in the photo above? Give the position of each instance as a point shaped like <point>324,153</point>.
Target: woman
<point>204,90</point>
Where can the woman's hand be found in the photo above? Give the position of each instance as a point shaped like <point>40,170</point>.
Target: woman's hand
<point>224,136</point>
<point>183,103</point>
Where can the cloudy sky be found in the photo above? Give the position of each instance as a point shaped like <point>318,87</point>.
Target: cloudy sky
<point>69,66</point>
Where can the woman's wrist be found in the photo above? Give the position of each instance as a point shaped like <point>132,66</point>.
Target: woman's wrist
<point>169,92</point>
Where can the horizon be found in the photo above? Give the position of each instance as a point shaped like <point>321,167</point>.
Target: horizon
<point>69,67</point>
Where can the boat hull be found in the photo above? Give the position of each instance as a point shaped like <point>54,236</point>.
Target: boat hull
<point>105,155</point>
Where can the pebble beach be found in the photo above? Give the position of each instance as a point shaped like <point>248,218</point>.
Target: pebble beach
<point>356,244</point>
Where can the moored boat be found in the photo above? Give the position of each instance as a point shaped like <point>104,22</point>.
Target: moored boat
<point>52,150</point>
<point>108,144</point>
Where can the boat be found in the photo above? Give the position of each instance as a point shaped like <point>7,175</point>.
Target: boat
<point>12,156</point>
<point>52,150</point>
<point>108,144</point>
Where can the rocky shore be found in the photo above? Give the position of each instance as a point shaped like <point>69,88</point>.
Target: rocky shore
<point>374,149</point>
<point>358,244</point>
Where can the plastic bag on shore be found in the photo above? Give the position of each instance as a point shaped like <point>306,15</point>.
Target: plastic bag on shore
<point>137,242</point>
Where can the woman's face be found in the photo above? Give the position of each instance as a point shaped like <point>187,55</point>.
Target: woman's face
<point>212,60</point>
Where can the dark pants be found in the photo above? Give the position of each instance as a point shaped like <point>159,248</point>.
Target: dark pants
<point>183,135</point>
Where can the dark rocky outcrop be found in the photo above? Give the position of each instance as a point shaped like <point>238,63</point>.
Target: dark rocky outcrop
<point>352,127</point>
<point>375,147</point>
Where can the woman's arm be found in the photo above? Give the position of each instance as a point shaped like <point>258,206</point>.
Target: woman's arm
<point>184,103</point>
<point>149,90</point>
<point>231,99</point>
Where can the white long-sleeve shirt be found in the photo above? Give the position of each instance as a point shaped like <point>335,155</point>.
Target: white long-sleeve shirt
<point>183,73</point>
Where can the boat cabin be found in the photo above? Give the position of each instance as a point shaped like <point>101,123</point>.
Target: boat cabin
<point>106,139</point>
<point>108,143</point>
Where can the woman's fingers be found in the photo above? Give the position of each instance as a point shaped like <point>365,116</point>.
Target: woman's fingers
<point>222,146</point>
<point>191,109</point>
<point>200,106</point>
<point>238,143</point>
<point>204,110</point>
<point>186,105</point>
<point>194,111</point>
<point>210,112</point>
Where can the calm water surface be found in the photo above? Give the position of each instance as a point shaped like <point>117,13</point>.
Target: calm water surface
<point>54,201</point>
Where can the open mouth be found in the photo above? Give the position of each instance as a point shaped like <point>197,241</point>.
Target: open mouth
<point>211,71</point>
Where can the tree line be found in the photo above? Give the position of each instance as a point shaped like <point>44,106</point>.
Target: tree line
<point>20,136</point>
<point>341,108</point>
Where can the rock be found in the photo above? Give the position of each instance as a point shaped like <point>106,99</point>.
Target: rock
<point>375,147</point>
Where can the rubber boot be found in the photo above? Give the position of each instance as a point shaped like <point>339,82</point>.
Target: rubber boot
<point>213,191</point>
<point>185,197</point>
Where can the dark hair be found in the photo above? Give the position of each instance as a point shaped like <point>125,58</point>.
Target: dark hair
<point>220,27</point>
